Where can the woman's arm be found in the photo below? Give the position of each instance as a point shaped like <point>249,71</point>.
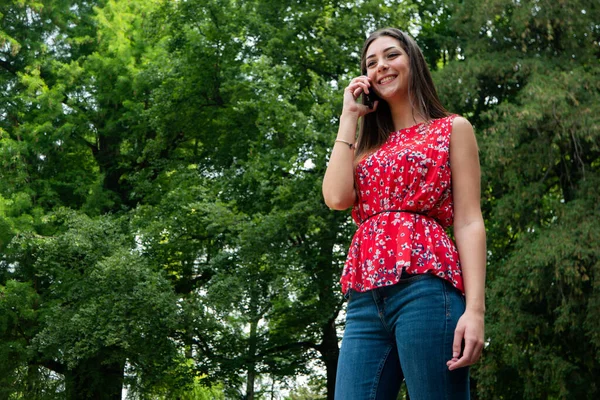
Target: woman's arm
<point>469,232</point>
<point>338,183</point>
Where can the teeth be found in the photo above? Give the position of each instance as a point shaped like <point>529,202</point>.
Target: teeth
<point>387,79</point>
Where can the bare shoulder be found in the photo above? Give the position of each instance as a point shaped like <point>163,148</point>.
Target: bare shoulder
<point>461,124</point>
<point>462,132</point>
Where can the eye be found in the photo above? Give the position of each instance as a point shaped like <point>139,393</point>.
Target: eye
<point>370,64</point>
<point>393,55</point>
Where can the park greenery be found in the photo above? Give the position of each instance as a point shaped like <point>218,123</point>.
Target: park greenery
<point>162,228</point>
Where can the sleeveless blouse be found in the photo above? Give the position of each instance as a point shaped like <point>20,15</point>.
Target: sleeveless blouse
<point>403,208</point>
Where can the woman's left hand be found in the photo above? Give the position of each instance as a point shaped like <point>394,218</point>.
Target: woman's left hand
<point>470,329</point>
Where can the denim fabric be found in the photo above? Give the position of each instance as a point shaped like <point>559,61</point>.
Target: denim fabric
<point>404,331</point>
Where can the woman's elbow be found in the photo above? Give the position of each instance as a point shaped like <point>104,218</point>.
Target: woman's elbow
<point>336,202</point>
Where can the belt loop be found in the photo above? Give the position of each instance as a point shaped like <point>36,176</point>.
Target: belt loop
<point>376,295</point>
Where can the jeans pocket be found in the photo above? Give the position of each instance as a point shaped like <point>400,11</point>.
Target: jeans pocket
<point>455,301</point>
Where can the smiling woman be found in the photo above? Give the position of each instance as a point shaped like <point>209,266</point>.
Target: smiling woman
<point>415,307</point>
<point>393,80</point>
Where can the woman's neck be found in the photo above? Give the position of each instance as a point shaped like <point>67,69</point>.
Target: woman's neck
<point>404,114</point>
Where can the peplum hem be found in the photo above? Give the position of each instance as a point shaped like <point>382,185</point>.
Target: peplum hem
<point>437,256</point>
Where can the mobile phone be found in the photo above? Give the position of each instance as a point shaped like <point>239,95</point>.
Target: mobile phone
<point>370,98</point>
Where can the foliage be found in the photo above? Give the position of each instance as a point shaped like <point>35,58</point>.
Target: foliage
<point>161,221</point>
<point>528,79</point>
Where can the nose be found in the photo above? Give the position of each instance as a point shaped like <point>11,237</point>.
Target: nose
<point>382,65</point>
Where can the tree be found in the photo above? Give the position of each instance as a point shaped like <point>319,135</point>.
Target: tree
<point>527,77</point>
<point>268,116</point>
<point>161,221</point>
<point>83,314</point>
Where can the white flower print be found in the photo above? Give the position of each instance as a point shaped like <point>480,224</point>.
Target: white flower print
<point>410,172</point>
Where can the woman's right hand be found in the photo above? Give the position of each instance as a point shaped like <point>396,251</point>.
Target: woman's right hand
<point>357,86</point>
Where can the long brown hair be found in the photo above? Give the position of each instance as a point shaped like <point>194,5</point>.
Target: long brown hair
<point>376,127</point>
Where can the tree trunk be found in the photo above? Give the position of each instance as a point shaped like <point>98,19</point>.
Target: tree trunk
<point>330,353</point>
<point>329,299</point>
<point>96,378</point>
<point>252,363</point>
<point>31,380</point>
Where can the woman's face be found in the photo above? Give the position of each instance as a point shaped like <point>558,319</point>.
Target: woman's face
<point>388,68</point>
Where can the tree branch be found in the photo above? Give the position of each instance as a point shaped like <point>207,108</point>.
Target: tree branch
<point>54,366</point>
<point>289,346</point>
<point>7,66</point>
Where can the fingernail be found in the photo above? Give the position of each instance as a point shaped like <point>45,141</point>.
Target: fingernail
<point>455,354</point>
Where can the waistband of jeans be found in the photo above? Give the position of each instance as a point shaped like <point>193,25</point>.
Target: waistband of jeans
<point>389,290</point>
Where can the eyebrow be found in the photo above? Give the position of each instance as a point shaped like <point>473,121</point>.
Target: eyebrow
<point>389,48</point>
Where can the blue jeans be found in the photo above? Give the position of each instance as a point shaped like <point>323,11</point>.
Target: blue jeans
<point>404,331</point>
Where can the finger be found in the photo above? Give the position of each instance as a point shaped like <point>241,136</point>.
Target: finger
<point>459,333</point>
<point>477,353</point>
<point>465,359</point>
<point>358,90</point>
<point>354,85</point>
<point>362,78</point>
<point>363,86</point>
<point>363,82</point>
<point>370,110</point>
<point>366,87</point>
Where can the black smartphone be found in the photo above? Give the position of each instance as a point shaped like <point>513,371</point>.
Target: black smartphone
<point>369,99</point>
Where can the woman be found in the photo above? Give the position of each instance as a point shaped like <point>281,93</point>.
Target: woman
<point>415,311</point>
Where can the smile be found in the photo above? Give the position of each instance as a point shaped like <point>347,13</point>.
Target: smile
<point>387,79</point>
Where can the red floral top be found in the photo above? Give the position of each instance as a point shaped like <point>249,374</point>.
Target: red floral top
<point>409,172</point>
